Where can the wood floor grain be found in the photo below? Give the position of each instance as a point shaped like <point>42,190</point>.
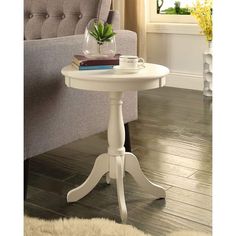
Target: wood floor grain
<point>172,140</point>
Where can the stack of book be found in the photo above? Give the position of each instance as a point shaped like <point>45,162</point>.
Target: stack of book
<point>80,62</point>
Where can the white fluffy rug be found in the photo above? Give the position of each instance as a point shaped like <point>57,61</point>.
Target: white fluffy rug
<point>83,227</point>
<point>78,227</point>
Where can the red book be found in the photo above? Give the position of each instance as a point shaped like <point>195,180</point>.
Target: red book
<point>81,60</point>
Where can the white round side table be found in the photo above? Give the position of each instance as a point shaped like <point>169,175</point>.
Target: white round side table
<point>116,161</point>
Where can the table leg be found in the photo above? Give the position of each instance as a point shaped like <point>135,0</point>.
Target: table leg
<point>116,150</point>
<point>101,167</point>
<point>116,162</point>
<point>133,168</point>
<point>120,190</point>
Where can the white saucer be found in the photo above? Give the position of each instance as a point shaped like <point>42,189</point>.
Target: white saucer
<point>118,69</point>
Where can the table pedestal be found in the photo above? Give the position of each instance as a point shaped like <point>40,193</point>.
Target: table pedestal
<point>115,162</point>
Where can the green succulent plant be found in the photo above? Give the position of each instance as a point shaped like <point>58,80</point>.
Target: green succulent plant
<point>102,32</point>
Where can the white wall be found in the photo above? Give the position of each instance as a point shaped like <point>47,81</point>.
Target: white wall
<point>175,41</point>
<point>177,45</point>
<point>181,50</point>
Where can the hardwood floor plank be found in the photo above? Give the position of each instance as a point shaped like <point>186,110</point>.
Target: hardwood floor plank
<point>32,190</point>
<point>61,166</point>
<point>202,176</point>
<point>58,204</point>
<point>183,145</point>
<point>189,103</point>
<point>182,95</point>
<point>164,223</point>
<point>157,164</point>
<point>33,210</point>
<point>49,184</point>
<point>182,152</point>
<point>181,182</point>
<point>179,209</point>
<point>47,166</point>
<point>66,153</point>
<point>145,155</point>
<point>189,197</point>
<point>167,131</point>
<point>196,214</point>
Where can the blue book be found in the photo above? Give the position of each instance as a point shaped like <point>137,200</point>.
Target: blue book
<point>104,67</point>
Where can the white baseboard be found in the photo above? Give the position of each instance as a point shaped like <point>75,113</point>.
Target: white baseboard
<point>186,81</point>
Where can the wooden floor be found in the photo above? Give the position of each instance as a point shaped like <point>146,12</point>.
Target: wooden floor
<point>172,140</point>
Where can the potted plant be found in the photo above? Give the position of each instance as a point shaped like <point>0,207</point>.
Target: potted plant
<point>99,40</point>
<point>202,11</point>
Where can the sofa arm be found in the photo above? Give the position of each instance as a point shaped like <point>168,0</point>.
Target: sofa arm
<point>44,58</point>
<point>126,42</point>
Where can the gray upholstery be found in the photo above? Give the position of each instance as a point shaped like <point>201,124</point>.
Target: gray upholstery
<point>54,114</point>
<point>55,18</point>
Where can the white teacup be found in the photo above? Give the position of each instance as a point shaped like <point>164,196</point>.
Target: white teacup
<point>131,62</point>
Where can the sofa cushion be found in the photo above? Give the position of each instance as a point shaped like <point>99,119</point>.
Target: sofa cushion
<point>56,18</point>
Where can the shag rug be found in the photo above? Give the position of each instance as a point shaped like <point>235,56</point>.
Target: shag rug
<point>78,227</point>
<point>84,227</point>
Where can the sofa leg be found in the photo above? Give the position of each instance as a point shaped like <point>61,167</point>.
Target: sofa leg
<point>127,138</point>
<point>26,175</point>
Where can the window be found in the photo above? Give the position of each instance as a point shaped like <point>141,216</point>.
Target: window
<point>176,7</point>
<point>170,11</point>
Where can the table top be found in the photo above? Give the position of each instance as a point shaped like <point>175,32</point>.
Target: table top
<point>152,76</point>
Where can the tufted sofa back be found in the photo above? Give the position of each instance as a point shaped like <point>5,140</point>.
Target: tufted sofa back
<point>56,18</point>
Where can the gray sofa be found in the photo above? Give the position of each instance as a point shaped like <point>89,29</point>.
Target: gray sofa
<point>54,114</point>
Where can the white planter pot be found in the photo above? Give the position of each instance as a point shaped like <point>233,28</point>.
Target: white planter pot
<point>207,71</point>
